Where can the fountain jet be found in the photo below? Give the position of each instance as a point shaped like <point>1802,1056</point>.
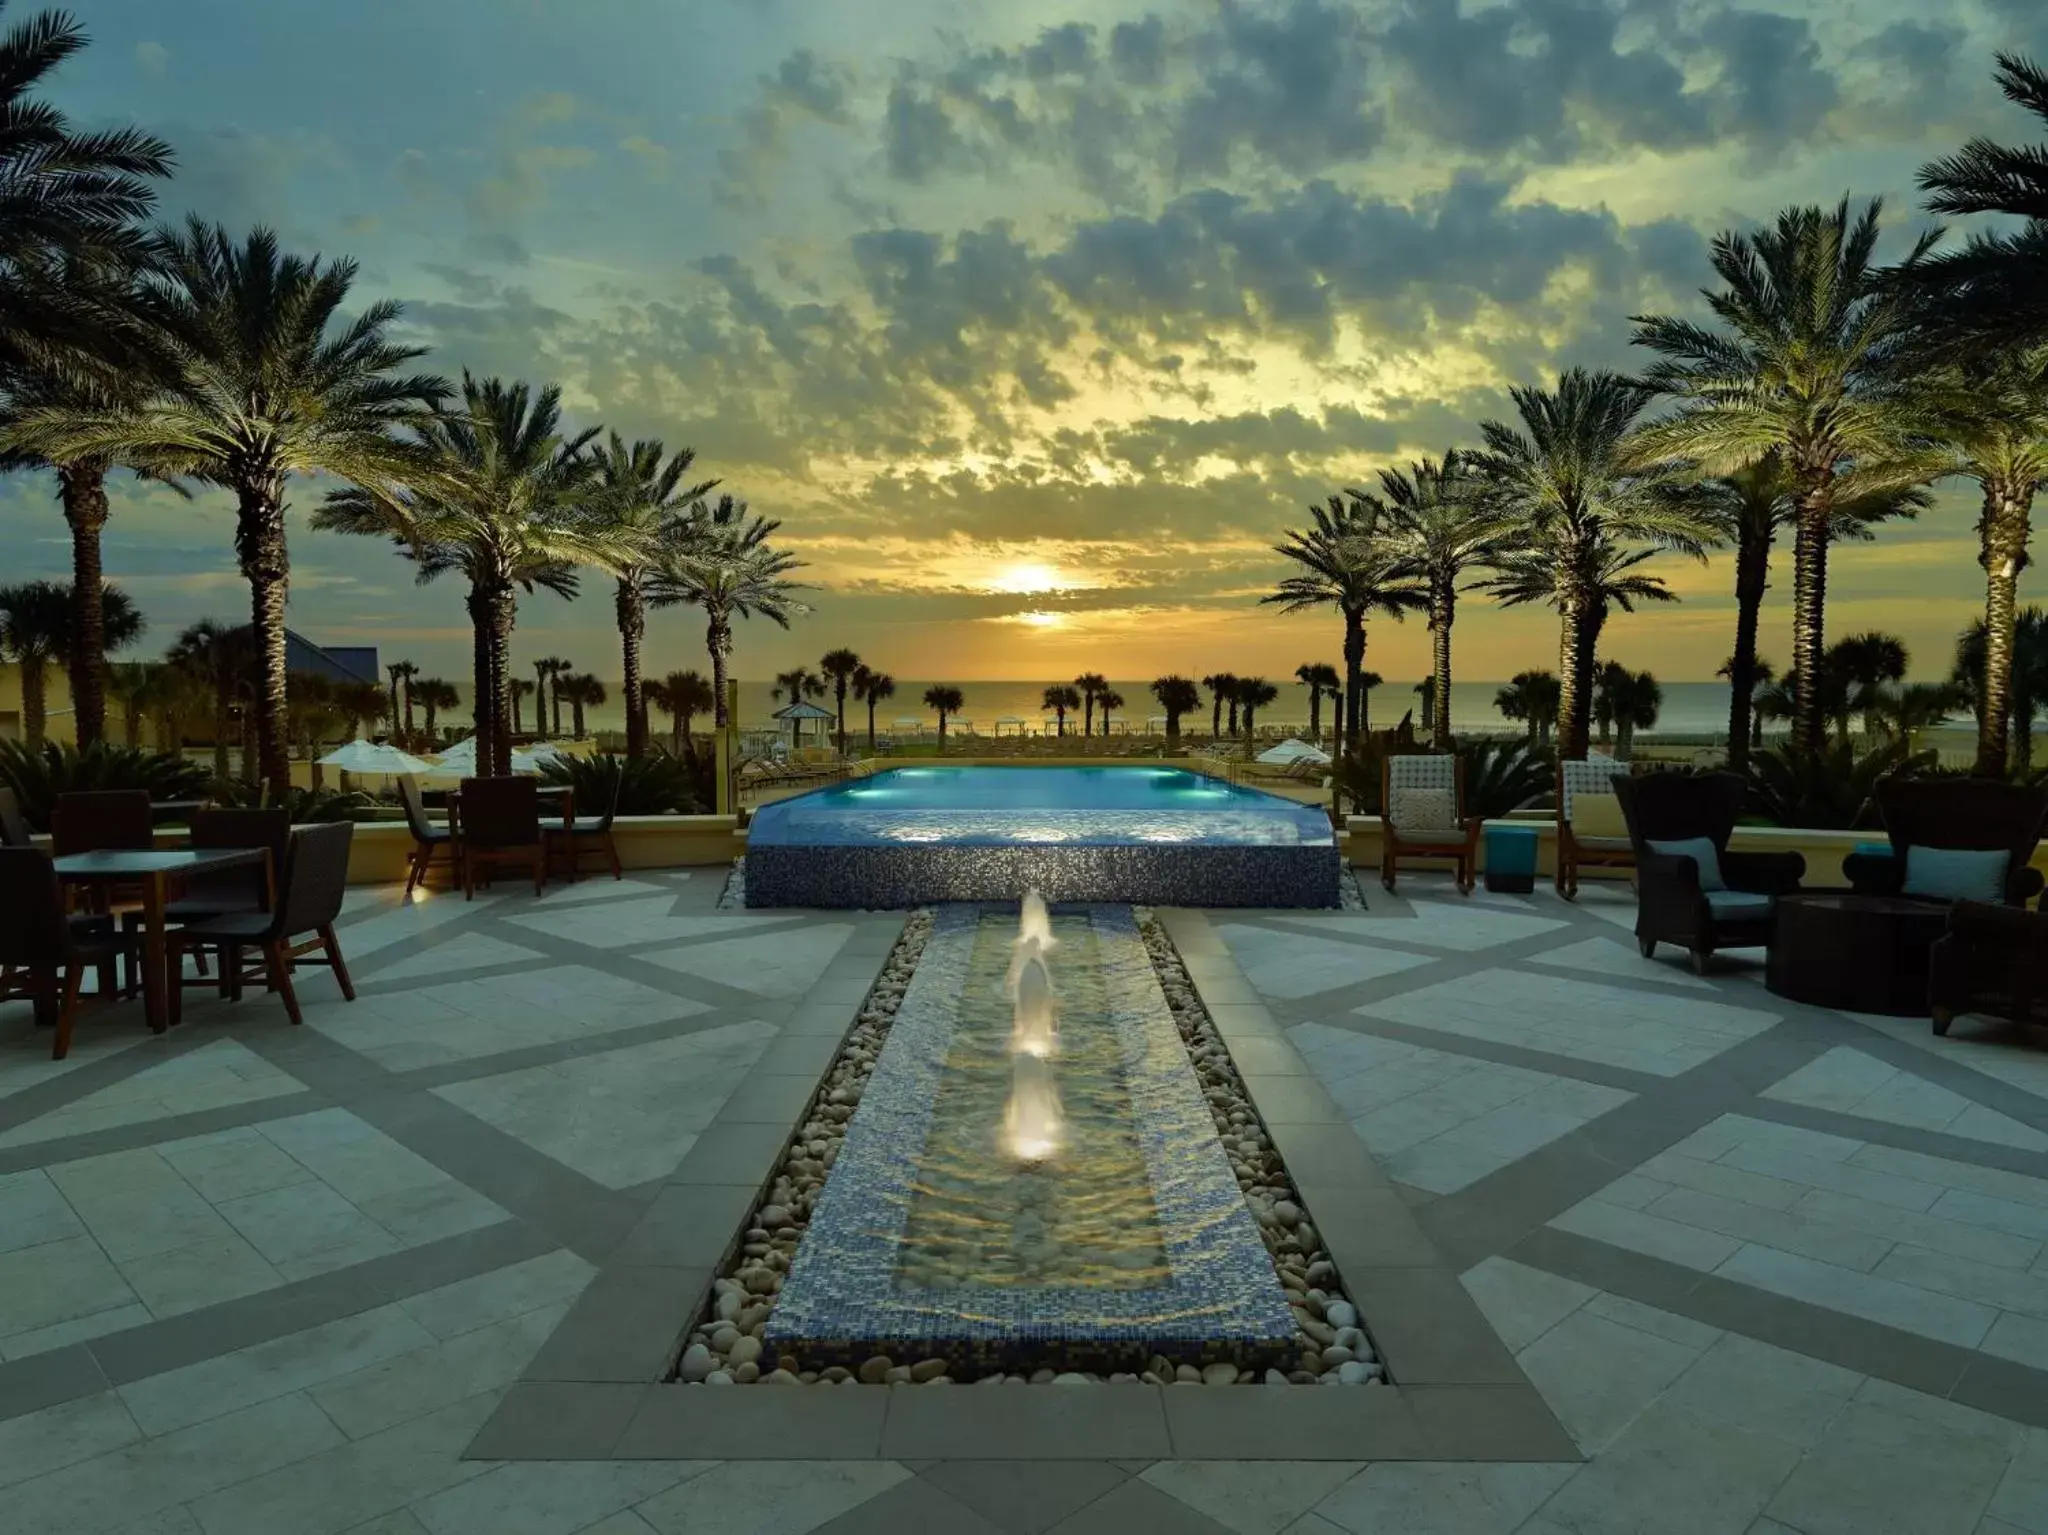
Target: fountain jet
<point>1033,1120</point>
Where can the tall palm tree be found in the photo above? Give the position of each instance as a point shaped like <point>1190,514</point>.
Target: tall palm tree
<point>361,704</point>
<point>220,660</point>
<point>272,381</point>
<point>1177,696</point>
<point>727,568</point>
<point>840,667</point>
<point>71,206</point>
<point>37,630</point>
<point>1627,701</point>
<point>1865,663</point>
<point>1532,698</point>
<point>1993,411</point>
<point>1108,699</point>
<point>683,695</point>
<point>583,691</point>
<point>1089,685</point>
<point>1221,686</point>
<point>1762,674</point>
<point>1319,677</point>
<point>545,670</point>
<point>1347,560</point>
<point>2029,687</point>
<point>401,671</point>
<point>1254,693</point>
<point>517,688</point>
<point>434,695</point>
<point>1810,364</point>
<point>1059,698</point>
<point>944,701</point>
<point>639,500</point>
<point>1444,528</point>
<point>1563,478</point>
<point>1992,293</point>
<point>501,499</point>
<point>871,687</point>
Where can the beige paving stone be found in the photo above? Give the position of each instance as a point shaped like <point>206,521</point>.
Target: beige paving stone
<point>1251,1497</point>
<point>1441,1499</point>
<point>798,1496</point>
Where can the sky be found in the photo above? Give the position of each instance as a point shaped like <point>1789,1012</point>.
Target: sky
<point>1035,322</point>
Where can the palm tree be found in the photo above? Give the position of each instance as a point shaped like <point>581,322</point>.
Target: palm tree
<point>317,714</point>
<point>871,687</point>
<point>582,691</point>
<point>361,705</point>
<point>2029,685</point>
<point>221,660</point>
<point>1348,561</point>
<point>434,695</point>
<point>797,685</point>
<point>1809,365</point>
<point>1774,701</point>
<point>1060,698</point>
<point>1222,687</point>
<point>727,567</point>
<point>1177,696</point>
<point>1628,701</point>
<point>502,501</point>
<point>36,629</point>
<point>1901,713</point>
<point>639,501</point>
<point>1089,685</point>
<point>840,667</point>
<point>70,209</point>
<point>944,700</point>
<point>1319,677</point>
<point>272,382</point>
<point>1108,699</point>
<point>545,670</point>
<point>129,685</point>
<point>1865,663</point>
<point>1254,693</point>
<point>1531,697</point>
<point>171,698</point>
<point>1762,674</point>
<point>516,689</point>
<point>683,695</point>
<point>1445,528</point>
<point>1993,411</point>
<point>1562,477</point>
<point>1993,293</point>
<point>401,671</point>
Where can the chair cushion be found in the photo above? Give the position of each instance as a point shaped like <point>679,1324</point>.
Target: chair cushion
<point>1737,905</point>
<point>1702,852</point>
<point>1956,874</point>
<point>1421,811</point>
<point>1603,844</point>
<point>1597,815</point>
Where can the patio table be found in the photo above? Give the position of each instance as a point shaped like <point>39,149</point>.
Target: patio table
<point>152,871</point>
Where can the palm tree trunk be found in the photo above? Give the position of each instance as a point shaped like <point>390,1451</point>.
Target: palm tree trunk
<point>1572,681</point>
<point>223,722</point>
<point>83,489</point>
<point>512,697</point>
<point>394,703</point>
<point>632,612</point>
<point>839,698</point>
<point>35,710</point>
<point>718,641</point>
<point>1215,715</point>
<point>1315,714</point>
<point>2007,513</point>
<point>1442,614</point>
<point>266,565</point>
<point>480,679</point>
<point>871,724</point>
<point>1809,618</point>
<point>1354,675</point>
<point>1752,578</point>
<point>504,615</point>
<point>942,732</point>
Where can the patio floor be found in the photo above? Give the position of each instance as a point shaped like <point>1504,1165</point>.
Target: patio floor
<point>1773,1269</point>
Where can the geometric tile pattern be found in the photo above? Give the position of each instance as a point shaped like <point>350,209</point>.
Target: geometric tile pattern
<point>1774,1269</point>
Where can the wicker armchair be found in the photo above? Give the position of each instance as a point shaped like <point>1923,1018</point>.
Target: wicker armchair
<point>1955,813</point>
<point>1422,815</point>
<point>1993,960</point>
<point>1701,899</point>
<point>1591,779</point>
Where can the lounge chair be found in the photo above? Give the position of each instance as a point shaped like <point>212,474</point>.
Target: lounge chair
<point>1422,815</point>
<point>1691,890</point>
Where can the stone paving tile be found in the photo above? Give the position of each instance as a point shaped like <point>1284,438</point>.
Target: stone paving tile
<point>1252,1497</point>
<point>1289,965</point>
<point>792,1497</point>
<point>216,1075</point>
<point>1474,1499</point>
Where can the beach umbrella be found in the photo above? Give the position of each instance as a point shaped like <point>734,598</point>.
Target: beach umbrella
<point>1291,751</point>
<point>374,757</point>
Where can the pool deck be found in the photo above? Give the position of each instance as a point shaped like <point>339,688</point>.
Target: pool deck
<point>1761,1267</point>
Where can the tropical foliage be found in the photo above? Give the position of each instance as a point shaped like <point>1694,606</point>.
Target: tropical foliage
<point>38,774</point>
<point>656,783</point>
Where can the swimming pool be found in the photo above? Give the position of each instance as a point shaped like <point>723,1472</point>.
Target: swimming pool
<point>1133,833</point>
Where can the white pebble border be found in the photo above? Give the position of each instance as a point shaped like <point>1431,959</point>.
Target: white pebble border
<point>725,1347</point>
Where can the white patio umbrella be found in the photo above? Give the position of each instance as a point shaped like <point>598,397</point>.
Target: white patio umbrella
<point>1291,750</point>
<point>374,757</point>
<point>460,760</point>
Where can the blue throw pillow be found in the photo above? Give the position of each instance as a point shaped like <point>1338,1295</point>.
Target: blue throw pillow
<point>1701,851</point>
<point>1956,874</point>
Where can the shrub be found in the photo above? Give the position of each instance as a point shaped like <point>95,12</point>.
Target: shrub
<point>1504,775</point>
<point>37,775</point>
<point>307,806</point>
<point>657,784</point>
<point>1829,788</point>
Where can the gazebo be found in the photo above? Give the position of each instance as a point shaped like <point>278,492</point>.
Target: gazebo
<point>1010,719</point>
<point>793,716</point>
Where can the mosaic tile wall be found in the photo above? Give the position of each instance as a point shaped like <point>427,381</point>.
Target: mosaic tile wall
<point>843,1299</point>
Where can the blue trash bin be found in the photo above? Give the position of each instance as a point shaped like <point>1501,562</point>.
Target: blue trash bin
<point>1511,859</point>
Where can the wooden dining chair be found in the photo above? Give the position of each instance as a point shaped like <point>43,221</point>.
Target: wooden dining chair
<point>44,951</point>
<point>427,838</point>
<point>592,834</point>
<point>308,901</point>
<point>247,887</point>
<point>499,822</point>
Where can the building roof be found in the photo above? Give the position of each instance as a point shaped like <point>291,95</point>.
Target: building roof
<point>337,663</point>
<point>804,709</point>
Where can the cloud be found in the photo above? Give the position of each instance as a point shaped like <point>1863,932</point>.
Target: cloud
<point>1289,86</point>
<point>154,58</point>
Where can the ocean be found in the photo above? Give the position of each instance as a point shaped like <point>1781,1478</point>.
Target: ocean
<point>1690,708</point>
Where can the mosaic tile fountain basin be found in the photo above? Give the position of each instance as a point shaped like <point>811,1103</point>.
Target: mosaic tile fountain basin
<point>1103,834</point>
<point>934,1235</point>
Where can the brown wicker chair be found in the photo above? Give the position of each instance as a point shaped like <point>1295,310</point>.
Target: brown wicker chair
<point>43,951</point>
<point>1955,813</point>
<point>1678,899</point>
<point>1992,960</point>
<point>427,838</point>
<point>308,900</point>
<point>499,822</point>
<point>1453,836</point>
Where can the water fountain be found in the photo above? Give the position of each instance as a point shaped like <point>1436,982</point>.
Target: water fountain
<point>1033,1118</point>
